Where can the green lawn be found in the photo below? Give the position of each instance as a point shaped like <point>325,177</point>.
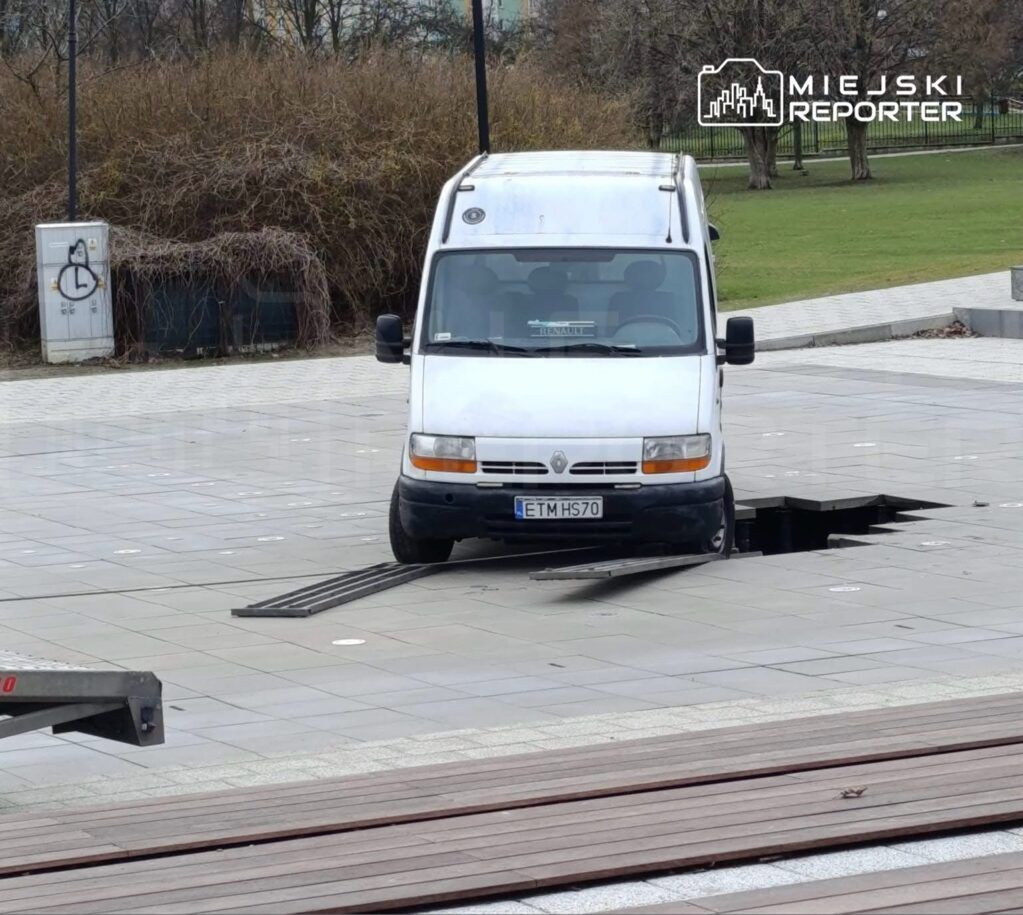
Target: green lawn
<point>922,218</point>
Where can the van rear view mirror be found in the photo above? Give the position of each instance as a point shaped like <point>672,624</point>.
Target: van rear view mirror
<point>713,231</point>
<point>739,343</point>
<point>390,340</point>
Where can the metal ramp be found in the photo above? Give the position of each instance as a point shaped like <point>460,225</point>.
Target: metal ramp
<point>350,586</point>
<point>343,589</point>
<point>119,705</point>
<point>615,568</point>
<point>340,590</point>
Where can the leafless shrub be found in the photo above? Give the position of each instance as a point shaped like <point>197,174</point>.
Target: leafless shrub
<point>253,264</point>
<point>346,158</point>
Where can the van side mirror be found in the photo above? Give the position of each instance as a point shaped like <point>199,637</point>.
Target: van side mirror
<point>713,231</point>
<point>739,343</point>
<point>391,340</point>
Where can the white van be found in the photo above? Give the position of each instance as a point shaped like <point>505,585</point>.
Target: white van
<point>565,360</point>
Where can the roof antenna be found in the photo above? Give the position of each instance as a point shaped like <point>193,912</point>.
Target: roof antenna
<point>668,239</point>
<point>480,51</point>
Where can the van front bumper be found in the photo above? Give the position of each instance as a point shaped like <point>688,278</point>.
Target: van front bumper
<point>668,512</point>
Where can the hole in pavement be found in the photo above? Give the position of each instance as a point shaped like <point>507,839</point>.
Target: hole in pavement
<point>792,525</point>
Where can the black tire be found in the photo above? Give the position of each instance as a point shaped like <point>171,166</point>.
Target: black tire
<point>726,543</point>
<point>414,550</point>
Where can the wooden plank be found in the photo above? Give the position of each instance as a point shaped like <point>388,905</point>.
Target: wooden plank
<point>257,826</point>
<point>262,827</point>
<point>1007,901</point>
<point>380,894</point>
<point>528,767</point>
<point>963,884</point>
<point>934,766</point>
<point>391,867</point>
<point>691,907</point>
<point>278,812</point>
<point>902,723</point>
<point>901,717</point>
<point>820,892</point>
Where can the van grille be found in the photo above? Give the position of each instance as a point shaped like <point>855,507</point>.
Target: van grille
<point>514,467</point>
<point>603,468</point>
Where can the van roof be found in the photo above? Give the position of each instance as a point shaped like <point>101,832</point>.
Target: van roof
<point>571,198</point>
<point>581,163</point>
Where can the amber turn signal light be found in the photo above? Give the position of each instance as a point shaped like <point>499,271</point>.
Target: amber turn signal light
<point>680,465</point>
<point>443,465</point>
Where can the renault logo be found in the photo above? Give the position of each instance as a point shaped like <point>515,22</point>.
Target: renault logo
<point>559,462</point>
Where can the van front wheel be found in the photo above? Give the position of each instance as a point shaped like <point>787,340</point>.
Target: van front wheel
<point>410,550</point>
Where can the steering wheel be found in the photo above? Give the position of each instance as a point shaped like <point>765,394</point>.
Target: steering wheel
<point>646,319</point>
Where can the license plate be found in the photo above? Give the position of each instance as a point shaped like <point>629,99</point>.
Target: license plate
<point>537,508</point>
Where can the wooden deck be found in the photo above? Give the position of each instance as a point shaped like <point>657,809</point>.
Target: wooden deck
<point>471,830</point>
<point>993,883</point>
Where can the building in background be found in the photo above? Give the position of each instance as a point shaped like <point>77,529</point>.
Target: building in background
<point>503,12</point>
<point>293,19</point>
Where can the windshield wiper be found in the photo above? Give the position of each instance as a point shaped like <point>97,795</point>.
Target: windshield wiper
<point>483,346</point>
<point>593,347</point>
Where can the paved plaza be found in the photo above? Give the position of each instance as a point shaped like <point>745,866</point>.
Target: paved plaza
<point>138,508</point>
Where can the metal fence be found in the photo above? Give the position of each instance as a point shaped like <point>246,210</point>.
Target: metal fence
<point>986,124</point>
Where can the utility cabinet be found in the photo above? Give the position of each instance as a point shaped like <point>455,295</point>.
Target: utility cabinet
<point>75,310</point>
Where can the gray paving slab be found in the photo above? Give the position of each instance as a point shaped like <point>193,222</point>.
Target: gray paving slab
<point>301,494</point>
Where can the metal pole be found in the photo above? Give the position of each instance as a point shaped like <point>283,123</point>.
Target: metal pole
<point>72,114</point>
<point>480,50</point>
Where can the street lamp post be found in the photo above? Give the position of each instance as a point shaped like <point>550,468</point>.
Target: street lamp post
<point>480,51</point>
<point>72,113</point>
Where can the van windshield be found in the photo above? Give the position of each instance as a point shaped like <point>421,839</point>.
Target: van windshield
<point>564,302</point>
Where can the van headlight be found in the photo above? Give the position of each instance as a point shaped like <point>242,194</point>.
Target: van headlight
<point>443,453</point>
<point>676,453</point>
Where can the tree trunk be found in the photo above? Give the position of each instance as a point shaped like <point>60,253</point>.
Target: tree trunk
<point>797,146</point>
<point>772,151</point>
<point>978,113</point>
<point>856,132</point>
<point>758,154</point>
<point>654,129</point>
<point>235,20</point>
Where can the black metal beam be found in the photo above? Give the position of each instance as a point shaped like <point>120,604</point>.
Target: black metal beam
<point>479,46</point>
<point>29,717</point>
<point>72,112</point>
<point>119,705</point>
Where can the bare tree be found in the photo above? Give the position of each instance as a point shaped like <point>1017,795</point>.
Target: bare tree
<point>655,50</point>
<point>233,14</point>
<point>13,26</point>
<point>872,39</point>
<point>146,18</point>
<point>306,21</point>
<point>198,21</point>
<point>983,43</point>
<point>770,31</point>
<point>337,14</point>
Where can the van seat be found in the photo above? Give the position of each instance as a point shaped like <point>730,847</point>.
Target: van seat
<point>548,297</point>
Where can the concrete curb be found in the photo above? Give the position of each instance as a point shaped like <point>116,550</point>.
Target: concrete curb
<point>867,333</point>
<point>993,322</point>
